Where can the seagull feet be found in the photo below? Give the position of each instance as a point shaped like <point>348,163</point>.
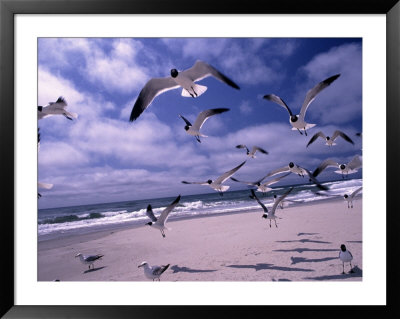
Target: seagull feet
<point>343,273</point>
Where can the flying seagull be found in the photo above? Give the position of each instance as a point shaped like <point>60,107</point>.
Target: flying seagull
<point>53,108</point>
<point>153,272</point>
<point>282,203</point>
<point>262,187</point>
<point>346,257</point>
<point>349,198</point>
<point>297,121</point>
<point>270,214</point>
<point>159,223</point>
<point>253,150</point>
<point>330,140</point>
<point>185,79</point>
<point>217,184</point>
<point>41,184</point>
<point>349,168</point>
<point>301,171</point>
<point>88,260</point>
<point>201,118</point>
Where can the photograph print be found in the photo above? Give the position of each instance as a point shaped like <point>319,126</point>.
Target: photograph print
<point>199,159</point>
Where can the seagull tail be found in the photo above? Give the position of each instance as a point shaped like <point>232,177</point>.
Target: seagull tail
<point>198,90</point>
<point>71,115</point>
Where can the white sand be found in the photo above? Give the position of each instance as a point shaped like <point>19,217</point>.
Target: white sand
<point>237,247</point>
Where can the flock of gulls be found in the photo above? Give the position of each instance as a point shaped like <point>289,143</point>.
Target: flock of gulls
<point>186,80</point>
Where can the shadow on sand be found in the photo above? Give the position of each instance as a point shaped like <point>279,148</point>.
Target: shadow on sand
<point>300,250</point>
<point>258,267</point>
<point>304,241</point>
<point>303,234</point>
<point>176,269</point>
<point>357,273</point>
<point>94,269</point>
<point>297,260</point>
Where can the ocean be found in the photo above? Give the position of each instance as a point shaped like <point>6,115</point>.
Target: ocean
<point>67,221</point>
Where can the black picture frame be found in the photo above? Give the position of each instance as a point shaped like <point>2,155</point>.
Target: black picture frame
<point>8,10</point>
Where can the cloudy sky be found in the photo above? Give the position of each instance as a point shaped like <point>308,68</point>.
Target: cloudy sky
<point>102,157</point>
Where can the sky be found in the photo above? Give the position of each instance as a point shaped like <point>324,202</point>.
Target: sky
<point>102,157</point>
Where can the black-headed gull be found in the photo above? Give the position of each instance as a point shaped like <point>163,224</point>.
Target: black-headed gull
<point>88,259</point>
<point>185,79</point>
<point>217,184</point>
<point>297,121</point>
<point>54,108</point>
<point>346,257</point>
<point>270,214</point>
<point>159,223</point>
<point>262,187</point>
<point>330,140</point>
<point>349,198</point>
<point>253,150</point>
<point>153,272</point>
<point>194,129</point>
<point>344,169</point>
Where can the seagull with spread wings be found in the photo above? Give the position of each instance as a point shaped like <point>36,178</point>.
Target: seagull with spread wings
<point>330,140</point>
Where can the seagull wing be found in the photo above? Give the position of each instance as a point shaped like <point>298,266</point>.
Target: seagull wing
<point>92,257</point>
<point>312,93</point>
<point>316,182</point>
<point>165,212</point>
<point>315,136</point>
<point>201,70</point>
<point>150,214</point>
<point>203,116</point>
<point>324,164</point>
<point>152,88</point>
<point>200,183</point>
<point>158,270</point>
<point>344,136</point>
<point>279,101</point>
<point>256,148</point>
<point>248,183</point>
<point>59,104</point>
<point>228,174</point>
<point>254,196</point>
<point>279,200</point>
<point>45,185</point>
<point>278,170</point>
<point>243,146</point>
<point>275,180</point>
<point>355,163</point>
<point>186,121</point>
<point>356,192</point>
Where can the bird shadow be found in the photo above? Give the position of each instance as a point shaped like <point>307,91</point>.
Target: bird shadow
<point>303,234</point>
<point>304,241</point>
<point>296,260</point>
<point>259,266</point>
<point>94,269</point>
<point>355,241</point>
<point>176,269</point>
<point>357,273</point>
<point>300,250</point>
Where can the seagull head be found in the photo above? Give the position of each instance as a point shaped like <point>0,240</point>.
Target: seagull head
<point>343,247</point>
<point>174,73</point>
<point>328,138</point>
<point>149,223</point>
<point>345,196</point>
<point>77,255</point>
<point>291,164</point>
<point>342,166</point>
<point>294,118</point>
<point>209,181</point>
<point>265,215</point>
<point>142,264</point>
<point>186,127</point>
<point>40,108</point>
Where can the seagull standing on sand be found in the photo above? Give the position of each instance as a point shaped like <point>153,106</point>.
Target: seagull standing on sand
<point>330,140</point>
<point>185,79</point>
<point>159,223</point>
<point>153,272</point>
<point>88,260</point>
<point>270,214</point>
<point>346,257</point>
<point>217,184</point>
<point>264,186</point>
<point>194,129</point>
<point>54,108</point>
<point>349,198</point>
<point>253,150</point>
<point>297,121</point>
<point>349,168</point>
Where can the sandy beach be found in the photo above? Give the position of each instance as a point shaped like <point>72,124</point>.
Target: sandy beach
<point>236,247</point>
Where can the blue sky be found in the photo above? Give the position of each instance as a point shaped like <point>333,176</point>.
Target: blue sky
<point>102,157</point>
